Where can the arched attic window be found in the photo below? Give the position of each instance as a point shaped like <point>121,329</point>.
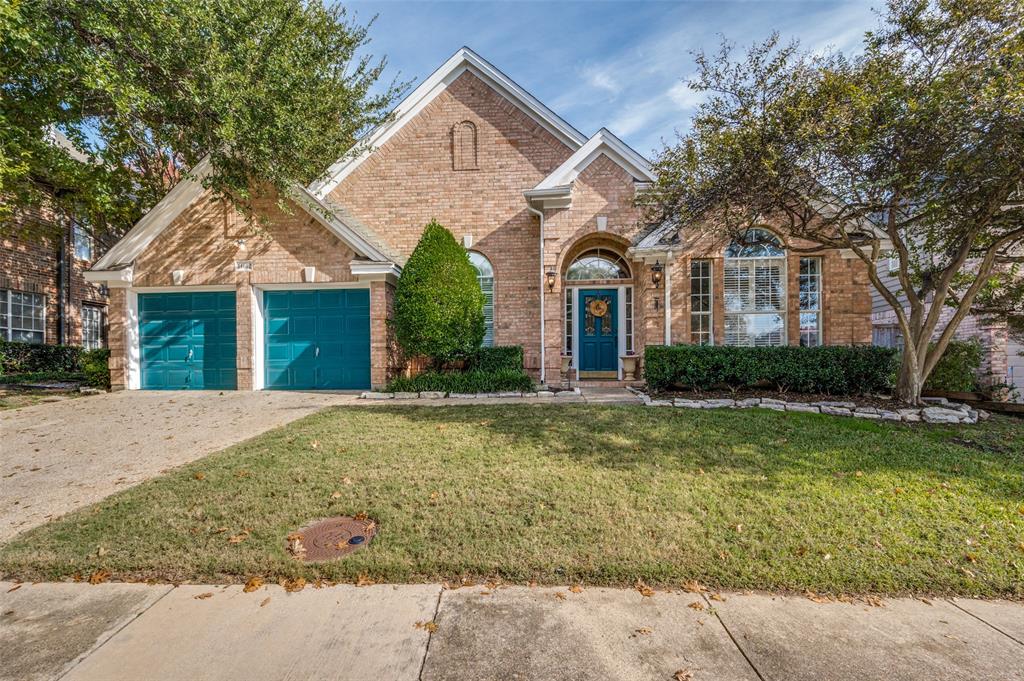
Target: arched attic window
<point>485,277</point>
<point>755,290</point>
<point>464,148</point>
<point>597,264</point>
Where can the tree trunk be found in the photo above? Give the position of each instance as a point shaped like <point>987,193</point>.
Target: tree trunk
<point>910,381</point>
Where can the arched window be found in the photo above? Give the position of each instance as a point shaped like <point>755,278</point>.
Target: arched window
<point>597,264</point>
<point>755,290</point>
<point>485,276</point>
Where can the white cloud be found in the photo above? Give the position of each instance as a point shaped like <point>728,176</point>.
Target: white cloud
<point>602,79</point>
<point>684,97</point>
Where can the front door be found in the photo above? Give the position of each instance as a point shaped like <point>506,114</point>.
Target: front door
<point>599,333</point>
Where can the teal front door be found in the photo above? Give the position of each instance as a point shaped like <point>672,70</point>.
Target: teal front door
<point>599,332</point>
<point>317,340</point>
<point>187,341</point>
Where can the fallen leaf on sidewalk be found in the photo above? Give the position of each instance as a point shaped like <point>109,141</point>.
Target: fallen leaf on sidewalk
<point>99,577</point>
<point>293,585</point>
<point>576,589</point>
<point>696,605</point>
<point>925,601</point>
<point>682,675</point>
<point>693,587</point>
<point>14,588</point>
<point>644,631</point>
<point>364,580</point>
<point>644,590</point>
<point>874,601</point>
<point>559,595</point>
<point>811,596</point>
<point>253,584</point>
<point>265,601</point>
<point>716,597</point>
<point>203,596</point>
<point>430,627</point>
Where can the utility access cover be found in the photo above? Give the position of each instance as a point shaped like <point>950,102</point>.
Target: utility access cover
<point>331,538</point>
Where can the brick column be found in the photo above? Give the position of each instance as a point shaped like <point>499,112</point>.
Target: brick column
<point>383,352</point>
<point>117,340</point>
<point>244,337</point>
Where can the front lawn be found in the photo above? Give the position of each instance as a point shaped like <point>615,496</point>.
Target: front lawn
<point>564,493</point>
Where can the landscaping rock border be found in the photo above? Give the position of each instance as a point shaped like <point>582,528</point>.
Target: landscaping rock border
<point>940,410</point>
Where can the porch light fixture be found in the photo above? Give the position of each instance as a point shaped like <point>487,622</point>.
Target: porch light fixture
<point>550,279</point>
<point>657,271</point>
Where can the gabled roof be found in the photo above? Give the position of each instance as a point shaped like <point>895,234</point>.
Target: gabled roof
<point>462,61</point>
<point>190,189</point>
<point>602,143</point>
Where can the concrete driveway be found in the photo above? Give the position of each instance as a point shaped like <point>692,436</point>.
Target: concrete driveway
<point>56,457</point>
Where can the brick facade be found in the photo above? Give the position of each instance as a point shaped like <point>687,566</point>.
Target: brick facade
<point>465,160</point>
<point>33,264</point>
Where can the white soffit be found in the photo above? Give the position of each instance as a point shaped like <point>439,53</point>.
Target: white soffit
<point>460,62</point>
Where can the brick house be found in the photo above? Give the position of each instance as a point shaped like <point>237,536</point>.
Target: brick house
<point>199,298</point>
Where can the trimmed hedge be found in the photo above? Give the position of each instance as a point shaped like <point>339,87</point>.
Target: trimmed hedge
<point>473,381</point>
<point>439,307</point>
<point>832,370</point>
<point>499,358</point>
<point>95,367</point>
<point>26,358</point>
<point>957,369</point>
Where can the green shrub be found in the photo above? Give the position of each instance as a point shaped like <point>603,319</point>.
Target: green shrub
<point>26,358</point>
<point>474,381</point>
<point>832,370</point>
<point>498,358</point>
<point>439,308</point>
<point>957,369</point>
<point>95,367</point>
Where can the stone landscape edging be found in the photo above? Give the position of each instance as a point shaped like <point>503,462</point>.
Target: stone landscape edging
<point>940,410</point>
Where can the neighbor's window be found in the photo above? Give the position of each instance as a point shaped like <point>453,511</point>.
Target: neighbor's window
<point>810,301</point>
<point>700,302</point>
<point>92,327</point>
<point>485,277</point>
<point>82,242</point>
<point>22,316</point>
<point>887,336</point>
<point>755,290</point>
<point>598,264</point>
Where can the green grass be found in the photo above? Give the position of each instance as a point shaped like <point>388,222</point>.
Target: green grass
<point>600,495</point>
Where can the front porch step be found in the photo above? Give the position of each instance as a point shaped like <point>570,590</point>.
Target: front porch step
<point>605,383</point>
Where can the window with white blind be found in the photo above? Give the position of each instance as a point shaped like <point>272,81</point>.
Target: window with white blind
<point>810,301</point>
<point>755,290</point>
<point>22,316</point>
<point>700,302</point>
<point>92,327</point>
<point>485,277</point>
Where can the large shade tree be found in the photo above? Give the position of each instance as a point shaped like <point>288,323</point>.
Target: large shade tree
<point>272,90</point>
<point>912,149</point>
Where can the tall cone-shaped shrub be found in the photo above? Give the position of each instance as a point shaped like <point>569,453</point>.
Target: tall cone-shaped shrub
<point>439,308</point>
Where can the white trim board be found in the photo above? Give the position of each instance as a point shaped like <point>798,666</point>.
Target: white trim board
<point>603,143</point>
<point>462,61</point>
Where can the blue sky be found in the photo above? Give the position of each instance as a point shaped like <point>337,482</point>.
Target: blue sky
<point>614,64</point>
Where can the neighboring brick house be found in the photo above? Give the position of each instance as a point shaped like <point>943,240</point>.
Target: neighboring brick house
<point>44,297</point>
<point>200,299</point>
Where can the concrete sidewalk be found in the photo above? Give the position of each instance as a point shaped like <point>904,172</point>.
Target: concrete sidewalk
<point>110,632</point>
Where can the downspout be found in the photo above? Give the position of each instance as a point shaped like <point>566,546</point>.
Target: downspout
<point>62,267</point>
<point>668,298</point>
<point>540,216</point>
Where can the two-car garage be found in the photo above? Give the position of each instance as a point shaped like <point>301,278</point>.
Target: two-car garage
<point>310,340</point>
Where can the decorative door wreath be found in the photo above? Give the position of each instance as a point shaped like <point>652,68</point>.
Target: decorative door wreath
<point>598,307</point>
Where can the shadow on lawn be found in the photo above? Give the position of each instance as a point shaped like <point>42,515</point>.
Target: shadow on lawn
<point>759,443</point>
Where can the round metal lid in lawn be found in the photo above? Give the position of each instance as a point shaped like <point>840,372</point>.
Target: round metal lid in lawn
<point>331,538</point>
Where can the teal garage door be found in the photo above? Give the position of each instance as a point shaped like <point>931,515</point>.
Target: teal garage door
<point>187,341</point>
<point>317,340</point>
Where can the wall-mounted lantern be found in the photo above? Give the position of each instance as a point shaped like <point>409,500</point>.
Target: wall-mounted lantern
<point>657,271</point>
<point>550,276</point>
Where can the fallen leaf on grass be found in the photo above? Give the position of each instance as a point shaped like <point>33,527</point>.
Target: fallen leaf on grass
<point>576,589</point>
<point>203,596</point>
<point>239,538</point>
<point>346,480</point>
<point>199,476</point>
<point>644,590</point>
<point>360,516</point>
<point>99,577</point>
<point>220,530</point>
<point>363,580</point>
<point>696,605</point>
<point>429,627</point>
<point>335,495</point>
<point>253,584</point>
<point>100,552</point>
<point>264,601</point>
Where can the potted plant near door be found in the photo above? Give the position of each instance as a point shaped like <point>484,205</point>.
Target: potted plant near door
<point>629,367</point>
